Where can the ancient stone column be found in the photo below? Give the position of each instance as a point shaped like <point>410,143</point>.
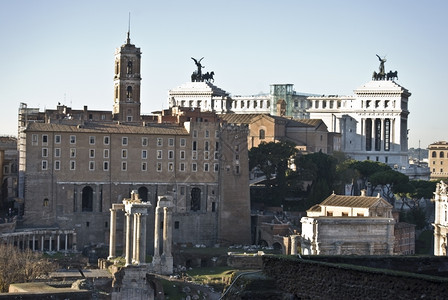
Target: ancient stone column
<point>42,243</point>
<point>167,231</point>
<point>66,242</point>
<point>58,244</point>
<point>50,242</point>
<point>137,238</point>
<point>156,235</point>
<point>34,242</point>
<point>143,238</point>
<point>294,242</point>
<point>74,241</point>
<point>128,239</point>
<point>134,238</point>
<point>112,233</point>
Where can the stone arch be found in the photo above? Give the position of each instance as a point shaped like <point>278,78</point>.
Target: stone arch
<point>143,193</point>
<point>277,247</point>
<point>87,198</point>
<point>281,107</point>
<point>263,243</point>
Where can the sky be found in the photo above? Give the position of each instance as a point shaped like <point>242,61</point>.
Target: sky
<point>63,51</point>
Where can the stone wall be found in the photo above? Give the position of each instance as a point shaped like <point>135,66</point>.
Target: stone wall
<point>318,280</point>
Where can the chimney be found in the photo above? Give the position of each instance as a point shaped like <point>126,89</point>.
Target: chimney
<point>363,193</point>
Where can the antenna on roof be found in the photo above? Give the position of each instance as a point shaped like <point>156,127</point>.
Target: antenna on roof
<point>128,41</point>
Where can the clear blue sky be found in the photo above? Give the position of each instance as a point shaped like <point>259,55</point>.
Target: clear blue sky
<point>62,51</point>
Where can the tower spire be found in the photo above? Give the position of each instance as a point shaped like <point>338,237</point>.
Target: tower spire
<point>128,41</point>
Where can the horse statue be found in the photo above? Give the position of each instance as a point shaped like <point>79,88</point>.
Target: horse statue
<point>378,76</point>
<point>392,75</point>
<point>208,76</point>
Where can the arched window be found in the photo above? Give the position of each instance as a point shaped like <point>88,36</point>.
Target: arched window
<point>441,155</point>
<point>434,154</point>
<point>195,199</point>
<point>129,92</point>
<point>262,134</point>
<point>143,193</point>
<point>87,199</point>
<point>129,68</point>
<point>117,67</point>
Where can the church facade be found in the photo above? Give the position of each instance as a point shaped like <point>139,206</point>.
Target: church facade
<point>75,164</point>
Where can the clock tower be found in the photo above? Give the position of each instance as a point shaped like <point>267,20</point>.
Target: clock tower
<point>127,82</point>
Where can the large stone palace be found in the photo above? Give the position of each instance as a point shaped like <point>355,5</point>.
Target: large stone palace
<point>75,165</point>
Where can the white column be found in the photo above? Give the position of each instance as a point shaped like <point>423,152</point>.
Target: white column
<point>137,234</point>
<point>112,233</point>
<point>34,242</point>
<point>294,239</point>
<point>66,242</point>
<point>58,244</point>
<point>167,232</point>
<point>134,238</point>
<point>49,243</point>
<point>42,244</point>
<point>128,239</point>
<point>156,235</point>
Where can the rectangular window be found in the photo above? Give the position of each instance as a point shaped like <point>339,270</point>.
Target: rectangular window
<point>216,134</point>
<point>44,152</point>
<point>144,141</point>
<point>195,133</point>
<point>159,154</point>
<point>57,139</point>
<point>206,167</point>
<point>124,166</point>
<point>194,167</point>
<point>171,142</point>
<point>73,139</point>
<point>144,154</point>
<point>91,140</point>
<point>182,190</point>
<point>194,155</point>
<point>237,169</point>
<point>207,134</point>
<point>194,148</point>
<point>44,139</point>
<point>171,154</point>
<point>176,224</point>
<point>206,155</point>
<point>106,153</point>
<point>159,167</point>
<point>182,142</point>
<point>182,154</point>
<point>216,146</point>
<point>57,152</point>
<point>72,165</point>
<point>73,152</point>
<point>206,145</point>
<point>124,141</point>
<point>57,165</point>
<point>182,167</point>
<point>124,153</point>
<point>144,166</point>
<point>34,141</point>
<point>105,166</point>
<point>92,153</point>
<point>91,165</point>
<point>216,167</point>
<point>106,140</point>
<point>44,165</point>
<point>170,167</point>
<point>216,156</point>
<point>159,142</point>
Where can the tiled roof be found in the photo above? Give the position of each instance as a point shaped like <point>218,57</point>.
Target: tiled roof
<point>109,128</point>
<point>352,201</point>
<point>248,118</point>
<point>239,118</point>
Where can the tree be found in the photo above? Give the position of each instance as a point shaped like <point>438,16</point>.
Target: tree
<point>389,181</point>
<point>272,159</point>
<point>320,168</point>
<point>21,266</point>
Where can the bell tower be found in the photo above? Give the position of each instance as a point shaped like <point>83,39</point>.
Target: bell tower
<point>127,82</point>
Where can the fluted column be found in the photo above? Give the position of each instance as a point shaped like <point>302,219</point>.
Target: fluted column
<point>167,232</point>
<point>156,235</point>
<point>137,219</point>
<point>128,239</point>
<point>134,238</point>
<point>112,233</point>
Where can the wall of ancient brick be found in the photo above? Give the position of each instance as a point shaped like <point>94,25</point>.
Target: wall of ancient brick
<point>308,279</point>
